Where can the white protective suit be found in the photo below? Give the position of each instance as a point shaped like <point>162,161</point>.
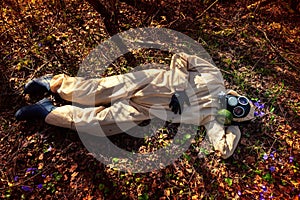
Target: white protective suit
<point>134,97</point>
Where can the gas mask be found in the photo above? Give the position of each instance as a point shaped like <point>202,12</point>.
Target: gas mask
<point>232,108</point>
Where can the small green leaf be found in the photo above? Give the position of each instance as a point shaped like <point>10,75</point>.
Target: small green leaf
<point>283,182</point>
<point>204,151</point>
<point>115,160</point>
<point>257,171</point>
<point>57,177</point>
<point>228,181</point>
<point>101,186</point>
<point>143,197</point>
<point>187,136</point>
<point>267,177</point>
<point>186,156</point>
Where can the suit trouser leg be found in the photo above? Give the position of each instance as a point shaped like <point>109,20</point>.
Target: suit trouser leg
<point>99,121</point>
<point>100,91</point>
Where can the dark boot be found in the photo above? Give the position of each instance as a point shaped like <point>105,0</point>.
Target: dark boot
<point>38,110</point>
<point>38,85</point>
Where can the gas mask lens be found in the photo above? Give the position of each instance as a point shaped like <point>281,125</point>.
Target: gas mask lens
<point>243,100</point>
<point>232,101</point>
<point>238,111</point>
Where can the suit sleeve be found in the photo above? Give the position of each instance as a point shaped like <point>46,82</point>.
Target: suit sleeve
<point>179,71</point>
<point>223,141</point>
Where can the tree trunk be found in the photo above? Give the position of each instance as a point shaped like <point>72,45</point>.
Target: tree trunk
<point>110,19</point>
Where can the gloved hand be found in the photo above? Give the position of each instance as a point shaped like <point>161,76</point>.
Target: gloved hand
<point>224,140</point>
<point>177,101</point>
<point>227,145</point>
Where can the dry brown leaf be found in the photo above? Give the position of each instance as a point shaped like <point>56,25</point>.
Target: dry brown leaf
<point>75,174</point>
<point>40,165</point>
<point>73,167</point>
<point>41,157</point>
<point>167,192</point>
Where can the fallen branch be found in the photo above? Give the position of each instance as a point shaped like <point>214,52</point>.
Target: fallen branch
<point>277,51</point>
<point>211,5</point>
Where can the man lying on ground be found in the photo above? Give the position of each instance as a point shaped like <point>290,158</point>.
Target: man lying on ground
<point>191,92</point>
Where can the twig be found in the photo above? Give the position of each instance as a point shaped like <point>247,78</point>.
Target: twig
<point>277,51</point>
<point>254,5</point>
<point>171,23</point>
<point>272,146</point>
<point>38,69</point>
<point>192,176</point>
<point>211,5</point>
<point>204,42</point>
<point>226,72</point>
<point>150,20</point>
<point>257,62</point>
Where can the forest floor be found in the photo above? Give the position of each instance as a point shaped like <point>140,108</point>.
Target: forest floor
<point>256,45</point>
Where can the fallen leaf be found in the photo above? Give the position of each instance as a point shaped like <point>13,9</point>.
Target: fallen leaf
<point>41,157</point>
<point>73,168</point>
<point>40,165</point>
<point>74,174</point>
